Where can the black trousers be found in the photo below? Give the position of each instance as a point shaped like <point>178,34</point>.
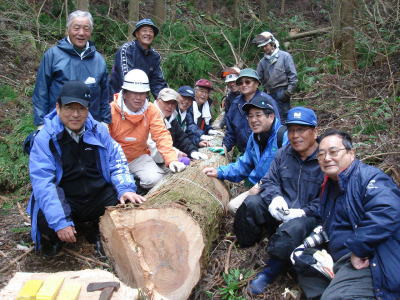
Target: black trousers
<point>85,215</point>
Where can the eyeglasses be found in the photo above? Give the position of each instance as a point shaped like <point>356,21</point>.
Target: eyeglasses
<point>298,130</point>
<point>332,153</point>
<point>246,82</point>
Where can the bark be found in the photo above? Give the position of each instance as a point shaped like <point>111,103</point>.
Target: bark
<point>159,11</point>
<point>283,5</point>
<point>236,12</point>
<point>263,11</point>
<point>173,8</point>
<point>159,246</point>
<point>316,32</point>
<point>210,7</point>
<point>133,15</point>
<point>82,5</point>
<point>343,32</point>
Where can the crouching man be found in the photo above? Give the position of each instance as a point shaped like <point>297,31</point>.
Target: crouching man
<point>266,138</point>
<point>76,170</point>
<point>360,209</point>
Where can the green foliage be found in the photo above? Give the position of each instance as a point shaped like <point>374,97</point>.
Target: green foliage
<point>20,229</point>
<point>233,282</point>
<point>7,93</point>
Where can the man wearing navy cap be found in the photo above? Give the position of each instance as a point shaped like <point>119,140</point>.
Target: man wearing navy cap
<point>138,54</point>
<point>288,200</point>
<point>76,170</point>
<point>260,150</point>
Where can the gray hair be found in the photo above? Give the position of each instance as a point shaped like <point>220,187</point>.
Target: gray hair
<point>77,14</point>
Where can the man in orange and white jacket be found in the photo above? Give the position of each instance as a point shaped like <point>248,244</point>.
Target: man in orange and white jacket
<point>133,119</point>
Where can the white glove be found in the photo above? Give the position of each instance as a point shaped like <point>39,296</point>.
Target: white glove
<point>198,155</point>
<point>177,166</point>
<point>278,208</point>
<point>206,137</point>
<point>40,127</point>
<point>294,213</point>
<point>215,132</point>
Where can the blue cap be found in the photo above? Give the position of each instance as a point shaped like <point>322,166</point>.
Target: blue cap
<point>301,116</point>
<point>186,91</point>
<point>258,101</point>
<point>145,22</point>
<point>251,73</point>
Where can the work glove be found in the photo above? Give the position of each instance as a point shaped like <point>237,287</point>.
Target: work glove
<point>278,208</point>
<point>177,166</point>
<point>286,97</point>
<point>219,150</point>
<point>206,137</point>
<point>294,213</point>
<point>215,132</point>
<point>198,155</point>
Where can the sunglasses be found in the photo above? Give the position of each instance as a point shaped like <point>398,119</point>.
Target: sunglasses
<point>245,81</point>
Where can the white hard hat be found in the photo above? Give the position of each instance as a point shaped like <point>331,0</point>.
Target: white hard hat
<point>137,81</point>
<point>264,38</point>
<point>231,77</point>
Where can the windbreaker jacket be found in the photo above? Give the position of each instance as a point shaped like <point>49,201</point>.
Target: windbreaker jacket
<point>130,56</point>
<point>237,127</point>
<point>370,201</point>
<point>45,169</point>
<point>253,164</point>
<point>297,181</point>
<point>181,139</point>
<point>281,73</point>
<point>62,63</point>
<point>132,132</point>
<point>191,129</point>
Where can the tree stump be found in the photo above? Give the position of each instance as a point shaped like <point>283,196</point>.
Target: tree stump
<point>158,246</point>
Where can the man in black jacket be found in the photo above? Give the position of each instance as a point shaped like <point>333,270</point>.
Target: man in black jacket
<point>167,102</point>
<point>288,199</point>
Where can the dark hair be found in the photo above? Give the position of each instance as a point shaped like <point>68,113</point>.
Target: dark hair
<point>266,111</point>
<point>59,101</point>
<point>346,138</point>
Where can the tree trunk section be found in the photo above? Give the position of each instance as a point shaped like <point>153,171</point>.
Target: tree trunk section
<point>343,32</point>
<point>133,15</point>
<point>210,7</point>
<point>159,246</point>
<point>82,5</point>
<point>263,11</point>
<point>173,8</point>
<point>283,5</point>
<point>236,12</point>
<point>159,11</point>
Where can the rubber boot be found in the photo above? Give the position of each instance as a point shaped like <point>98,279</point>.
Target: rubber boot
<point>274,268</point>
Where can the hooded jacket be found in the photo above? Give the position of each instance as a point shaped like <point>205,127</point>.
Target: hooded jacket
<point>132,131</point>
<point>130,56</point>
<point>45,169</point>
<point>367,215</point>
<point>253,164</point>
<point>237,127</point>
<point>63,63</point>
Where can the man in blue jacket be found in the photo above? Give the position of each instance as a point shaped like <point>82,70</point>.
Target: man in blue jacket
<point>76,170</point>
<point>260,151</point>
<point>73,58</point>
<point>360,209</point>
<point>237,128</point>
<point>287,203</point>
<point>139,54</point>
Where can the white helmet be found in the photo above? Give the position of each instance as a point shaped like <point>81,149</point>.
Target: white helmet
<point>231,77</point>
<point>136,80</point>
<point>265,38</point>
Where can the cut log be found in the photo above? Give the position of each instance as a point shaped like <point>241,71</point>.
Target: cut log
<point>309,33</point>
<point>158,246</point>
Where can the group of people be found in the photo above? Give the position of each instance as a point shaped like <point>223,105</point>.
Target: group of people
<point>101,141</point>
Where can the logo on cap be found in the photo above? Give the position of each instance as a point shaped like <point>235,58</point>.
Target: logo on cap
<point>297,115</point>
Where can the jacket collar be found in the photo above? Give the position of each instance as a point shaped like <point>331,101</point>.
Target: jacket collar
<point>66,46</point>
<point>344,176</point>
<point>294,153</point>
<point>145,51</point>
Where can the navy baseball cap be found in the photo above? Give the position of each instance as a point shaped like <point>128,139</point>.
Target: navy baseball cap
<point>258,101</point>
<point>301,116</point>
<point>75,91</point>
<point>186,91</point>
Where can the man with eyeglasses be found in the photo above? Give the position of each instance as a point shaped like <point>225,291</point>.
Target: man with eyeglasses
<point>360,209</point>
<point>76,170</point>
<point>260,151</point>
<point>238,130</point>
<point>288,199</point>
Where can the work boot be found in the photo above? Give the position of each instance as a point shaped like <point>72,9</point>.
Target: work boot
<point>274,267</point>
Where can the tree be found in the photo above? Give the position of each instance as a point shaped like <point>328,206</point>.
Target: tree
<point>159,11</point>
<point>210,7</point>
<point>82,5</point>
<point>343,32</point>
<point>133,14</point>
<point>263,11</point>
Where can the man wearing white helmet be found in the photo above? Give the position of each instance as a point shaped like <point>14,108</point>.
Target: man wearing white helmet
<point>133,119</point>
<point>230,75</point>
<point>277,72</point>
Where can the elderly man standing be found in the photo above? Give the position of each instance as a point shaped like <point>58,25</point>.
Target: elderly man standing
<point>138,54</point>
<point>237,128</point>
<point>277,72</point>
<point>288,197</point>
<point>134,118</point>
<point>360,209</point>
<point>76,170</point>
<point>73,58</point>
